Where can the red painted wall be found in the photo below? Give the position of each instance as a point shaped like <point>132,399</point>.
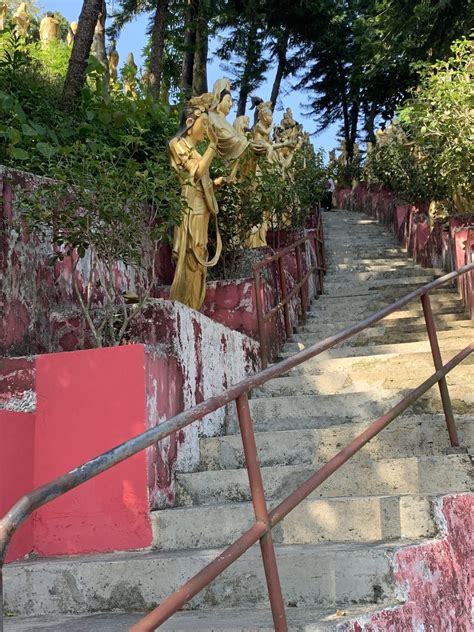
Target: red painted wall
<point>88,402</point>
<point>434,578</point>
<point>17,432</point>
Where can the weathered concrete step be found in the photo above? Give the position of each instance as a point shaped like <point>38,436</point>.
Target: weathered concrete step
<point>359,519</point>
<point>374,283</point>
<point>390,336</point>
<point>382,334</point>
<point>401,320</point>
<point>448,345</point>
<point>406,437</point>
<point>322,575</point>
<point>386,370</point>
<point>354,406</point>
<point>380,290</point>
<point>212,620</point>
<point>393,374</point>
<point>348,276</point>
<point>367,304</point>
<point>387,477</point>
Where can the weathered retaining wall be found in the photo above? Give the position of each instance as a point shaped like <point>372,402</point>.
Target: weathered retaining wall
<point>433,578</point>
<point>62,409</point>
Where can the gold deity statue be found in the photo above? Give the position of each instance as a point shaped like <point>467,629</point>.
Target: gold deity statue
<point>197,188</point>
<point>242,126</point>
<point>230,144</point>
<point>71,33</point>
<point>21,20</point>
<point>3,14</point>
<point>49,29</point>
<point>114,59</point>
<point>129,76</point>
<point>343,158</point>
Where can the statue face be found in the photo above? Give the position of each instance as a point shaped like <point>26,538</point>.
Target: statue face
<point>225,105</point>
<point>200,127</point>
<point>267,116</point>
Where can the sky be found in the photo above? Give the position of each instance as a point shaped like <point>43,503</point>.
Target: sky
<point>133,39</point>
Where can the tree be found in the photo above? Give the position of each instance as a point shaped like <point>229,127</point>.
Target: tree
<point>76,74</point>
<point>189,47</point>
<point>243,50</point>
<point>157,48</point>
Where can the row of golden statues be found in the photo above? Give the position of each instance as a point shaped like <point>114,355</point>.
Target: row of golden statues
<point>205,117</point>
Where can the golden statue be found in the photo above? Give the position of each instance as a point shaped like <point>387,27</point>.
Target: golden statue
<point>242,126</point>
<point>230,144</point>
<point>3,14</point>
<point>114,59</point>
<point>21,20</point>
<point>71,33</point>
<point>49,29</point>
<point>129,75</point>
<point>190,239</point>
<point>343,158</point>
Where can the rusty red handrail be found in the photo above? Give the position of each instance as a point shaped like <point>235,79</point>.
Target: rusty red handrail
<point>466,282</point>
<point>301,287</point>
<point>264,520</point>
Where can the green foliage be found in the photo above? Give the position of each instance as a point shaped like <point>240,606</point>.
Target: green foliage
<point>428,155</point>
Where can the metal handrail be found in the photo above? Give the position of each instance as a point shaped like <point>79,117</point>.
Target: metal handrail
<point>265,521</point>
<point>302,286</point>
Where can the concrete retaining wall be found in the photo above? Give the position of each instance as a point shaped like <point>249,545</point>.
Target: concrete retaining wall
<point>62,409</point>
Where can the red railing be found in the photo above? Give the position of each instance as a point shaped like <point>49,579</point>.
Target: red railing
<point>264,520</point>
<point>313,243</point>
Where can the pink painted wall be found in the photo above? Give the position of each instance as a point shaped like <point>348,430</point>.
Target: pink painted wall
<point>88,402</point>
<point>434,578</point>
<point>17,432</point>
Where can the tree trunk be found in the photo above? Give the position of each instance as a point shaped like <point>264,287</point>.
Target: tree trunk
<point>353,123</point>
<point>245,82</point>
<point>345,106</point>
<point>282,47</point>
<point>98,43</point>
<point>370,122</point>
<point>158,47</point>
<point>202,45</point>
<point>76,72</point>
<point>187,71</point>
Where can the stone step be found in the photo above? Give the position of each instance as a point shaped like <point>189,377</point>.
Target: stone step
<point>382,334</point>
<point>406,437</point>
<point>334,286</point>
<point>367,304</point>
<point>396,373</point>
<point>356,519</point>
<point>449,345</point>
<point>414,475</point>
<point>380,371</point>
<point>322,575</point>
<point>399,320</point>
<point>358,406</point>
<point>212,620</point>
<point>350,276</point>
<point>381,290</point>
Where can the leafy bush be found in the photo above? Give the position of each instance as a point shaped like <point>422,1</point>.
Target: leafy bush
<point>428,153</point>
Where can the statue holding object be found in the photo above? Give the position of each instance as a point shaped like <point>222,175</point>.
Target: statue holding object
<point>49,29</point>
<point>21,20</point>
<point>3,14</point>
<point>71,33</point>
<point>191,236</point>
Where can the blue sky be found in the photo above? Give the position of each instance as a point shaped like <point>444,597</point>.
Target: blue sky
<point>133,39</point>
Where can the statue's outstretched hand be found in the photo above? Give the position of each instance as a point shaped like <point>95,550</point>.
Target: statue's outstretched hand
<point>212,136</point>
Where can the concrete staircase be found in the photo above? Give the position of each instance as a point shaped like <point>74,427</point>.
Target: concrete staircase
<point>336,550</point>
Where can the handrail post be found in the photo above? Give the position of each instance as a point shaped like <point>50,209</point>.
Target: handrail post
<point>286,311</point>
<point>438,363</point>
<point>319,261</point>
<point>300,274</point>
<point>260,320</point>
<point>261,513</point>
